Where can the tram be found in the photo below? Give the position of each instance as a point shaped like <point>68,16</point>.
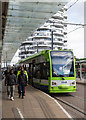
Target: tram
<point>52,71</point>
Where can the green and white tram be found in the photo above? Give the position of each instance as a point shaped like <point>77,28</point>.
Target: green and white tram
<point>52,71</point>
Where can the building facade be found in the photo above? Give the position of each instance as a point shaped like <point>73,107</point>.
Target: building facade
<point>26,48</point>
<point>55,28</point>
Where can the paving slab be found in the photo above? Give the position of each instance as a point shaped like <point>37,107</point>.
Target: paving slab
<point>35,104</point>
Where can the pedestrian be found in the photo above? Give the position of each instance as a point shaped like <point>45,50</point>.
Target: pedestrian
<point>25,72</point>
<point>19,71</point>
<point>10,82</point>
<point>22,82</point>
<point>15,71</point>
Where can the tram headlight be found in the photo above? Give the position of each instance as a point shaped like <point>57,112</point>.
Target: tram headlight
<point>73,83</point>
<point>53,83</point>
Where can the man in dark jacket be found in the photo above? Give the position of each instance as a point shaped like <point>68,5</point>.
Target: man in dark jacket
<point>22,81</point>
<point>10,82</point>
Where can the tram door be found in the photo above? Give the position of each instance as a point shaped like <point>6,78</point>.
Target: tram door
<point>31,74</point>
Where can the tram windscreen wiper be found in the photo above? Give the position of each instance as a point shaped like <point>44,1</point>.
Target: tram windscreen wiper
<point>61,76</point>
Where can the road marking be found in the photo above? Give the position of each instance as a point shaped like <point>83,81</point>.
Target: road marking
<point>21,116</point>
<point>60,107</point>
<point>63,110</point>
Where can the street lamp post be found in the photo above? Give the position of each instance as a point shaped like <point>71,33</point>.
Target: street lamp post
<point>80,71</point>
<point>6,59</point>
<point>4,63</point>
<point>52,39</point>
<point>25,50</point>
<point>37,47</point>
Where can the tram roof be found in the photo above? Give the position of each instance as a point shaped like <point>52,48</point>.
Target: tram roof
<point>37,54</point>
<point>23,18</point>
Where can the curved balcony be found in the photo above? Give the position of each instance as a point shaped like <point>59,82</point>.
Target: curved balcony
<point>58,37</point>
<point>44,45</point>
<point>65,16</point>
<point>21,55</point>
<point>39,50</point>
<point>60,42</point>
<point>43,28</point>
<point>58,16</point>
<point>25,47</point>
<point>42,32</point>
<point>27,43</point>
<point>58,33</point>
<point>29,54</point>
<point>22,50</point>
<point>58,46</point>
<point>21,47</point>
<point>41,45</point>
<point>56,43</point>
<point>22,58</point>
<point>30,38</point>
<point>39,37</point>
<point>65,31</point>
<point>42,39</point>
<point>25,51</point>
<point>58,25</point>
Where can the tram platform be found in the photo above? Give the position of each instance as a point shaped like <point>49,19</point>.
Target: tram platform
<point>36,104</point>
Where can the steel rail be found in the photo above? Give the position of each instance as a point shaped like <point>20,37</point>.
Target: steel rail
<point>70,105</point>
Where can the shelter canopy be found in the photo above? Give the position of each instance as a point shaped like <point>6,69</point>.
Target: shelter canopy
<point>24,17</point>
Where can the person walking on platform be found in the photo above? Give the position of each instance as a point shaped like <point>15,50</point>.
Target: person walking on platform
<point>10,82</point>
<point>19,72</point>
<point>22,82</point>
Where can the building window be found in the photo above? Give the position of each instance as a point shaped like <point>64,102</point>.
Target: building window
<point>59,39</point>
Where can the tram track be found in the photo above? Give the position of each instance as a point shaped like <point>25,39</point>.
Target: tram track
<point>78,97</point>
<point>73,103</point>
<point>70,105</point>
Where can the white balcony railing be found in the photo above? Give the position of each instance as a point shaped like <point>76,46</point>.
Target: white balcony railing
<point>59,25</point>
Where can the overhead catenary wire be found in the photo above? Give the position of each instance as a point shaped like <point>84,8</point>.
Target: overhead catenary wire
<point>72,4</point>
<point>75,29</point>
<point>68,23</point>
<point>81,25</point>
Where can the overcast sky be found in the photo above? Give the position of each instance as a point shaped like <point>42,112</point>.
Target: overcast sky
<point>76,38</point>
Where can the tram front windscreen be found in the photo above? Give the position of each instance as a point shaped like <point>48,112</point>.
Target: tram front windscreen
<point>62,63</point>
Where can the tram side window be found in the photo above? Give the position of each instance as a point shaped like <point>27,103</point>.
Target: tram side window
<point>36,71</point>
<point>31,69</point>
<point>48,69</point>
<point>45,70</point>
